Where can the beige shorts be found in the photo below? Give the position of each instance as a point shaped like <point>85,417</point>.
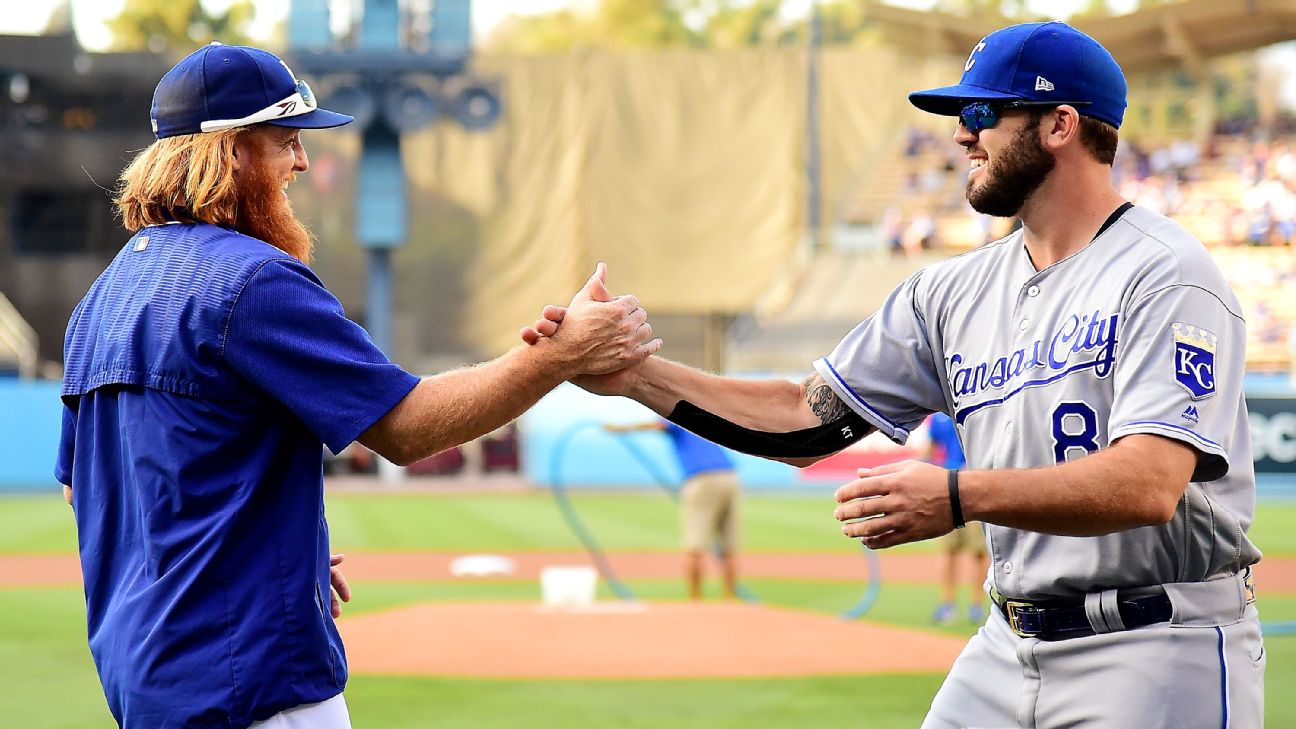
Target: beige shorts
<point>709,512</point>
<point>968,540</point>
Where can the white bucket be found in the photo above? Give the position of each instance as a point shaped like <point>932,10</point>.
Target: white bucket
<point>568,587</point>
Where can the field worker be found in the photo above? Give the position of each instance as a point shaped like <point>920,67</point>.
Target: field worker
<point>944,450</point>
<point>1093,362</point>
<point>708,503</point>
<point>204,369</point>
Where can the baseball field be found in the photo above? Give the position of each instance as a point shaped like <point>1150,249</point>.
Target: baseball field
<point>430,649</point>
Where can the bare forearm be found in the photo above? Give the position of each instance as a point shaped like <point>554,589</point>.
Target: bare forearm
<point>768,405</point>
<point>457,406</point>
<point>1114,489</point>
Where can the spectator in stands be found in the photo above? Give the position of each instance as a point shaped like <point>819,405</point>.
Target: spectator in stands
<point>921,234</point>
<point>1261,216</point>
<point>1184,157</point>
<point>708,503</point>
<point>1142,163</point>
<point>1268,328</point>
<point>893,228</point>
<point>915,140</point>
<point>1232,226</point>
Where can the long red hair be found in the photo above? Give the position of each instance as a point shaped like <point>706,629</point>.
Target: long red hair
<point>185,179</point>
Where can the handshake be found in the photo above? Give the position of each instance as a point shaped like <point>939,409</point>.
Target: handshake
<point>597,340</point>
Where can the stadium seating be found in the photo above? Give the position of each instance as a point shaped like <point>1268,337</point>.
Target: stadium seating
<point>1236,194</point>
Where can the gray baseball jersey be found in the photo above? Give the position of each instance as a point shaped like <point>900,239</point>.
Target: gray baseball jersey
<point>1136,333</point>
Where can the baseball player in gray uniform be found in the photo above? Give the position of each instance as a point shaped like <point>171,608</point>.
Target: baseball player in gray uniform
<point>1093,363</point>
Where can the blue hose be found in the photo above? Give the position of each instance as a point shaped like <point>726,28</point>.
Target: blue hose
<point>870,596</point>
<point>574,522</point>
<point>619,587</point>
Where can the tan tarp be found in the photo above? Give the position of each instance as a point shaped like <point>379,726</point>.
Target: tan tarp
<point>683,170</point>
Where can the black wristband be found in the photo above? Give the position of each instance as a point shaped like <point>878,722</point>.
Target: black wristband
<point>821,440</point>
<point>956,509</point>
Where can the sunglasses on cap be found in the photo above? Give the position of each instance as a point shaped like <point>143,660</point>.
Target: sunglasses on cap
<point>985,114</point>
<point>300,101</point>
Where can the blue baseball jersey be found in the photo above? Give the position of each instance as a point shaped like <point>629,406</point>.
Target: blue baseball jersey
<point>1137,333</point>
<point>695,453</point>
<point>204,371</point>
<point>943,435</point>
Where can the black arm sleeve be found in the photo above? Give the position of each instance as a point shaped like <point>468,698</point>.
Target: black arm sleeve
<point>821,440</point>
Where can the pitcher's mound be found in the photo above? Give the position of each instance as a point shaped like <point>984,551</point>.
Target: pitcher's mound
<point>613,640</point>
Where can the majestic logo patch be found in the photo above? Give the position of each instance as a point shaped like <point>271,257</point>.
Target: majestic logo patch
<point>1194,359</point>
<point>1043,84</point>
<point>1190,413</point>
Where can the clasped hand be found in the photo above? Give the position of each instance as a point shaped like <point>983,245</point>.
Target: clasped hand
<point>895,504</point>
<point>609,334</point>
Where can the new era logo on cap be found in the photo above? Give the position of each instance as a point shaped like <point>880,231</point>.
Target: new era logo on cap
<point>1035,62</point>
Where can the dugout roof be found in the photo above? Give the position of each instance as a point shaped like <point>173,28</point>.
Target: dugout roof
<point>1182,34</point>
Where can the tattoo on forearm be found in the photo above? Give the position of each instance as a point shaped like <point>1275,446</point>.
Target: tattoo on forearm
<point>823,401</point>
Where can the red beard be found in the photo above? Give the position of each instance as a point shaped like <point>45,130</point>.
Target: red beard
<point>265,213</point>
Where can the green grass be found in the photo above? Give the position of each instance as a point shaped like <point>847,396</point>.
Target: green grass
<point>36,524</point>
<point>49,680</point>
<point>32,524</point>
<point>48,677</point>
<point>475,522</point>
<point>533,522</point>
<point>1274,530</point>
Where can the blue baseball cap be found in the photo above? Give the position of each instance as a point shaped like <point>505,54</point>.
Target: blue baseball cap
<point>224,87</point>
<point>1035,63</point>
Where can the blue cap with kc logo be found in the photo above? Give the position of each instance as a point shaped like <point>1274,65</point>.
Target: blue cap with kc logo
<point>223,87</point>
<point>1035,63</point>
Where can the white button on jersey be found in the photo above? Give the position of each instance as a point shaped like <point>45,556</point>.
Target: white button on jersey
<point>1024,323</point>
<point>1007,568</point>
<point>1033,291</point>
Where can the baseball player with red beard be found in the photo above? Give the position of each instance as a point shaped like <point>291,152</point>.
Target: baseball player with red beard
<point>204,371</point>
<point>1093,363</point>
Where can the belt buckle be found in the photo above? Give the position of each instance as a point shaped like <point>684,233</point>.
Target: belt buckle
<point>1012,608</point>
<point>1248,586</point>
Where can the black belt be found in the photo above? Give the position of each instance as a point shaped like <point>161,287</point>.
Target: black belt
<point>1059,620</point>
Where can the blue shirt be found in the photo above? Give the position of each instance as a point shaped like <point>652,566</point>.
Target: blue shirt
<point>696,454</point>
<point>203,371</point>
<point>944,436</point>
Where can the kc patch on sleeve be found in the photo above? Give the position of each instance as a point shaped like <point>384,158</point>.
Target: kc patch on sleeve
<point>1194,359</point>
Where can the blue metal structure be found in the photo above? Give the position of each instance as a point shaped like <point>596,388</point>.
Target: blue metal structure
<point>391,90</point>
<point>308,25</point>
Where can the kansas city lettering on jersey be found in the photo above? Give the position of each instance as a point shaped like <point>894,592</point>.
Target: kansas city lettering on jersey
<point>1082,341</point>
